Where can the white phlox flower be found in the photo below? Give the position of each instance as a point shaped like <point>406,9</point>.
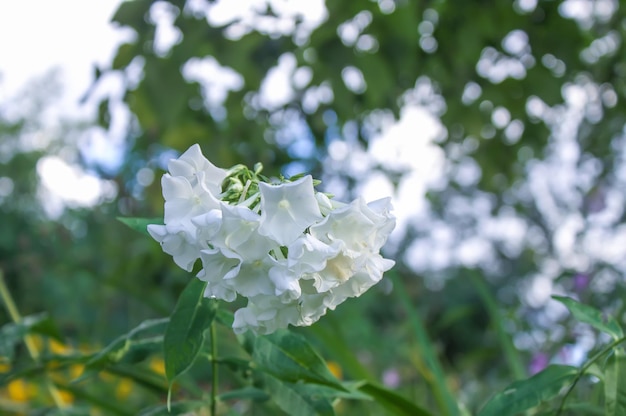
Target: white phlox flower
<point>239,232</point>
<point>265,314</point>
<point>308,254</point>
<point>292,251</point>
<point>176,242</point>
<point>288,209</point>
<point>193,166</point>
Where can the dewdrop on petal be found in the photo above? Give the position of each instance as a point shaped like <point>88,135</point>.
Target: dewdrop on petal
<point>292,252</point>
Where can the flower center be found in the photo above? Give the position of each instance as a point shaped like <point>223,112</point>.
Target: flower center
<point>284,204</point>
<point>340,267</point>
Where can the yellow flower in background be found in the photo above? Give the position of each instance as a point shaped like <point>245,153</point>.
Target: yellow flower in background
<point>66,397</point>
<point>335,369</point>
<point>21,391</point>
<point>5,365</point>
<point>58,348</point>
<point>76,370</point>
<point>157,365</point>
<point>123,389</point>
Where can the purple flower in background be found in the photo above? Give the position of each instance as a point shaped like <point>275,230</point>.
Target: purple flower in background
<point>391,378</point>
<point>596,201</point>
<point>539,361</point>
<point>581,282</point>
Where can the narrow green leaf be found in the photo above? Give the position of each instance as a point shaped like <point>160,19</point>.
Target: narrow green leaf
<point>522,395</point>
<point>578,408</point>
<point>236,364</point>
<point>592,316</point>
<point>178,408</point>
<point>246,393</point>
<point>511,353</point>
<point>329,334</point>
<point>295,399</point>
<point>290,357</point>
<point>111,407</point>
<point>144,378</point>
<point>615,383</point>
<point>42,324</point>
<point>184,335</point>
<point>443,395</point>
<point>129,343</point>
<point>350,391</point>
<point>225,317</point>
<point>140,224</point>
<point>392,402</point>
<point>12,334</point>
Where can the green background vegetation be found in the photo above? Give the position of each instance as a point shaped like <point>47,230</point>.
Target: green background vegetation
<point>98,279</point>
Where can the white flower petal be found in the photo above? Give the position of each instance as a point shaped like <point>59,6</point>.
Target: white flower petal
<point>308,254</point>
<point>253,278</point>
<point>358,226</point>
<point>182,201</point>
<point>218,265</point>
<point>265,314</point>
<point>193,166</point>
<point>176,242</point>
<point>175,187</point>
<point>286,283</point>
<point>207,227</point>
<point>288,209</point>
<point>239,232</point>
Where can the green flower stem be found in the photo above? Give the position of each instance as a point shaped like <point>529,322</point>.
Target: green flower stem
<point>214,366</point>
<point>584,369</point>
<point>14,313</point>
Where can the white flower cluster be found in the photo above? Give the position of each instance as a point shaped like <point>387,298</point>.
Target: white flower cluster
<point>292,252</point>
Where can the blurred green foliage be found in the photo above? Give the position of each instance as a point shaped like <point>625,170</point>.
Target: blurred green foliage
<point>98,279</point>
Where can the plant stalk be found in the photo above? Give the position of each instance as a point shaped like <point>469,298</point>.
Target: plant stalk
<point>584,369</point>
<point>214,366</point>
<point>29,341</point>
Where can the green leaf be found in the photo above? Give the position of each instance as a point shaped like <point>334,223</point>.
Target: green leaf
<point>443,395</point>
<point>127,345</point>
<point>140,224</point>
<point>330,335</point>
<point>42,324</point>
<point>615,384</point>
<point>131,13</point>
<point>147,379</point>
<point>350,391</point>
<point>184,336</point>
<point>511,353</point>
<point>391,401</point>
<point>178,408</point>
<point>101,403</point>
<point>125,54</point>
<point>246,393</point>
<point>592,316</point>
<point>12,334</point>
<point>225,317</point>
<point>295,399</point>
<point>522,395</point>
<point>576,408</point>
<point>290,357</point>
